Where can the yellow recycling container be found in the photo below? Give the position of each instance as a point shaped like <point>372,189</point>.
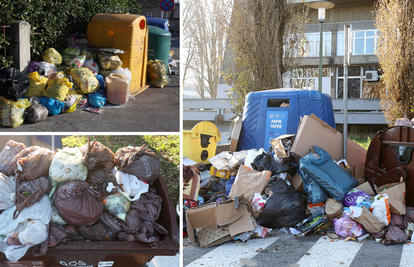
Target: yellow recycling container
<point>200,143</point>
<point>129,33</point>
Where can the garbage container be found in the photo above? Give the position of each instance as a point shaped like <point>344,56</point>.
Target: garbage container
<point>200,143</point>
<point>129,33</point>
<point>271,113</point>
<point>111,253</point>
<point>159,42</point>
<point>158,22</point>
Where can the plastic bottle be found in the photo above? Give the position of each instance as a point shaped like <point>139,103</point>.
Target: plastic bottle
<point>117,88</point>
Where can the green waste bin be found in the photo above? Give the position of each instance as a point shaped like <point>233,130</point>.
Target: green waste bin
<point>159,42</point>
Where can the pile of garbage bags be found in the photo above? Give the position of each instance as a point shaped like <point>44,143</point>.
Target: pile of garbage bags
<point>76,194</point>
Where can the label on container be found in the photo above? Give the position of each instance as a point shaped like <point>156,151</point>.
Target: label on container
<point>276,125</point>
<point>72,264</point>
<point>105,263</point>
<point>26,264</point>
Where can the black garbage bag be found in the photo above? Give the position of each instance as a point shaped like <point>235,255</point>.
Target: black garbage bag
<point>265,161</point>
<point>36,113</point>
<point>13,83</point>
<point>395,236</point>
<point>285,208</point>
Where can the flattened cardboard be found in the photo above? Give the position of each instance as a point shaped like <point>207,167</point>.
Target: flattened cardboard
<point>203,216</point>
<point>396,197</point>
<point>297,183</point>
<point>242,225</point>
<point>366,188</point>
<point>359,170</point>
<point>235,134</point>
<point>209,236</point>
<point>227,214</point>
<point>315,132</point>
<point>223,161</point>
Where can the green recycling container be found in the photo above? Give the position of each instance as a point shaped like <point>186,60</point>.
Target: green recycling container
<point>159,42</point>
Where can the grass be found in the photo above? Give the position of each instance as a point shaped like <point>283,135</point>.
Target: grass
<point>360,141</point>
<point>167,148</point>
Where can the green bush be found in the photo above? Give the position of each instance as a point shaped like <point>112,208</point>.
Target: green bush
<point>65,17</point>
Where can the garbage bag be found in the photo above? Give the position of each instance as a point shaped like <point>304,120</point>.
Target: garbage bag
<point>72,233</point>
<point>54,106</point>
<point>88,54</point>
<point>96,232</point>
<point>52,56</point>
<point>96,155</point>
<point>124,71</point>
<point>85,79</point>
<point>57,234</point>
<point>56,75</point>
<point>34,66</point>
<point>12,113</point>
<point>346,227</point>
<point>36,113</point>
<point>157,73</point>
<point>58,89</point>
<point>130,186</point>
<point>67,166</point>
<point>10,150</point>
<point>70,103</point>
<point>138,161</point>
<point>13,83</point>
<point>395,235</point>
<point>30,192</point>
<point>109,60</point>
<point>46,69</point>
<point>319,167</point>
<point>101,81</point>
<point>111,222</point>
<point>78,203</point>
<point>149,233</point>
<point>69,53</point>
<point>286,207</point>
<point>56,218</point>
<point>380,208</point>
<point>37,85</point>
<point>102,178</point>
<point>92,66</point>
<point>34,162</point>
<point>316,194</point>
<point>96,100</point>
<point>265,161</point>
<point>117,205</point>
<point>77,62</point>
<point>148,205</point>
<point>7,192</point>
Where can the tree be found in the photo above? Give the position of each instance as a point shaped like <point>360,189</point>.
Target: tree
<point>395,20</point>
<point>264,38</point>
<point>205,26</point>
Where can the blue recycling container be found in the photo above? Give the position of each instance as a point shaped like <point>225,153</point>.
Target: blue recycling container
<point>158,22</point>
<point>271,113</point>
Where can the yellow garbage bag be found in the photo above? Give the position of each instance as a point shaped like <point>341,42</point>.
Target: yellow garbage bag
<point>58,89</point>
<point>37,84</point>
<point>109,61</point>
<point>11,112</point>
<point>157,73</point>
<point>55,75</point>
<point>85,79</point>
<point>69,54</point>
<point>52,56</point>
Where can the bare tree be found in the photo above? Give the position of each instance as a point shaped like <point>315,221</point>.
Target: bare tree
<point>395,21</point>
<point>265,36</point>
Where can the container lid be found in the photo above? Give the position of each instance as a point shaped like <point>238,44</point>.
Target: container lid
<point>157,31</point>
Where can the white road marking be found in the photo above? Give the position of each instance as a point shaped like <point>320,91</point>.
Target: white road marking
<point>327,253</point>
<point>233,254</point>
<point>407,255</point>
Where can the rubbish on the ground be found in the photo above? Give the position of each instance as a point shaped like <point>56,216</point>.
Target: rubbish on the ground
<point>367,219</point>
<point>32,162</point>
<point>333,208</point>
<point>282,145</point>
<point>366,188</point>
<point>29,192</point>
<point>77,62</point>
<point>361,238</point>
<point>332,236</point>
<point>52,56</point>
<point>37,84</point>
<point>108,60</point>
<point>223,161</point>
<point>13,83</point>
<point>245,236</point>
<point>7,192</point>
<point>46,69</point>
<point>396,197</point>
<point>58,89</point>
<point>89,54</point>
<point>313,222</point>
<point>157,73</point>
<point>96,100</point>
<point>235,134</point>
<point>222,174</point>
<point>191,183</point>
<point>56,75</point>
<point>295,232</point>
<point>319,167</point>
<point>315,193</point>
<point>315,132</point>
<point>188,204</point>
<point>93,109</point>
<point>398,220</point>
<point>286,207</point>
<point>395,235</point>
<point>34,66</point>
<point>297,183</point>
<point>345,227</point>
<point>36,113</point>
<point>85,79</point>
<point>56,218</point>
<point>92,66</point>
<point>117,88</point>
<point>355,196</point>
<point>130,186</point>
<point>265,161</point>
<point>54,106</point>
<point>248,182</point>
<point>381,208</point>
<point>261,231</point>
<point>67,166</point>
<point>123,71</point>
<point>69,53</point>
<point>117,205</point>
<point>10,150</point>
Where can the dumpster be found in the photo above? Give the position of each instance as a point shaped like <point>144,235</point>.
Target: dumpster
<point>110,253</point>
<point>129,33</point>
<point>200,143</point>
<point>271,113</point>
<point>159,42</point>
<point>158,22</point>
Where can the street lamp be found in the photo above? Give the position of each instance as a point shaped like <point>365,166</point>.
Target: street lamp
<point>321,6</point>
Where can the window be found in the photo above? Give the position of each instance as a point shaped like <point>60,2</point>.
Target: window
<point>357,87</point>
<point>363,43</point>
<point>312,45</point>
<point>307,77</point>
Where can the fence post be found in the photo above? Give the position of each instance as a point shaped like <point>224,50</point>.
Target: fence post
<point>21,45</point>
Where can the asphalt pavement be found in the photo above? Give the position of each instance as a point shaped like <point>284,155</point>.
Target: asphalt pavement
<point>154,110</point>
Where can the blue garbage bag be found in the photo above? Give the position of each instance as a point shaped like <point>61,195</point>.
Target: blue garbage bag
<point>53,105</point>
<point>101,81</point>
<point>319,167</point>
<point>315,193</point>
<point>97,100</point>
<point>229,184</point>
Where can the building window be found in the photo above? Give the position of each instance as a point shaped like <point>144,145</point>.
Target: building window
<point>357,87</point>
<point>312,44</point>
<point>363,43</point>
<point>307,77</point>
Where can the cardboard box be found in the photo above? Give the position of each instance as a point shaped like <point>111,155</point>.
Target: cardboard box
<point>224,161</point>
<point>278,147</point>
<point>366,188</point>
<point>296,182</point>
<point>236,134</point>
<point>221,174</point>
<point>315,132</point>
<point>359,170</point>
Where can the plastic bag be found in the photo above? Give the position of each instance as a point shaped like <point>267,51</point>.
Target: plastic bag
<point>251,155</point>
<point>157,73</point>
<point>7,192</point>
<point>37,84</point>
<point>36,113</point>
<point>101,81</point>
<point>10,150</point>
<point>148,205</point>
<point>381,208</point>
<point>88,54</point>
<point>286,207</point>
<point>96,100</point>
<point>12,113</point>
<point>111,222</point>
<point>78,203</point>
<point>67,166</point>
<point>265,161</point>
<point>54,106</point>
<point>101,178</point>
<point>57,234</point>
<point>85,80</point>
<point>229,184</point>
<point>56,75</point>
<point>395,235</point>
<point>123,71</point>
<point>138,161</point>
<point>32,162</point>
<point>96,155</point>
<point>355,197</point>
<point>70,53</point>
<point>77,62</point>
<point>403,122</point>
<point>131,187</point>
<point>92,66</point>
<point>34,66</point>
<point>56,216</point>
<point>109,60</point>
<point>58,89</point>
<point>13,83</point>
<point>46,69</point>
<point>30,192</point>
<point>117,205</point>
<point>96,232</point>
<point>319,167</point>
<point>52,56</point>
<point>315,193</point>
<point>345,227</point>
